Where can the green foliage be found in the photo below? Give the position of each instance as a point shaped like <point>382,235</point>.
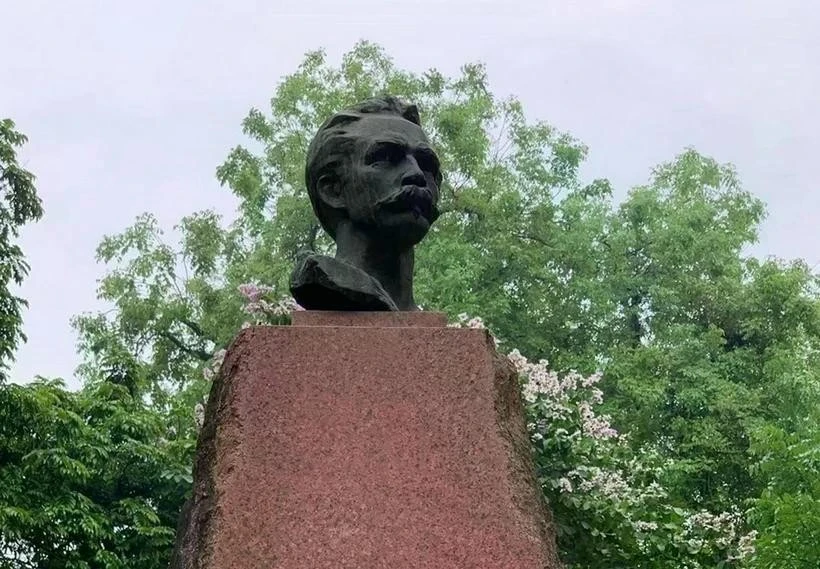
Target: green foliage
<point>787,462</point>
<point>19,204</point>
<point>173,309</point>
<point>709,358</point>
<point>611,504</point>
<point>787,512</point>
<point>87,480</point>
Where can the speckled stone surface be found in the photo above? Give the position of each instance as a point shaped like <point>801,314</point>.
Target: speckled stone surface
<point>364,447</point>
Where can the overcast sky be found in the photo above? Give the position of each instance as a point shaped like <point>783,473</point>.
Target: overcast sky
<point>130,106</point>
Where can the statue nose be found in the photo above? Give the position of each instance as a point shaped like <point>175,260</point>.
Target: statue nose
<point>414,176</point>
<point>414,180</point>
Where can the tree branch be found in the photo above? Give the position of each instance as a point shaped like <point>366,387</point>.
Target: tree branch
<point>458,208</point>
<point>197,353</point>
<point>194,327</point>
<point>539,240</point>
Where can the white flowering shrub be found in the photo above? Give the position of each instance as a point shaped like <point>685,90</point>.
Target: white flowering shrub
<point>609,504</point>
<point>610,508</point>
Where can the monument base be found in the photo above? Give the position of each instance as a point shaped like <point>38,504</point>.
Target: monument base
<point>365,440</point>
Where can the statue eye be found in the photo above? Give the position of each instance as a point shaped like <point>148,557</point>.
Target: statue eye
<point>425,163</point>
<point>428,162</point>
<point>385,153</point>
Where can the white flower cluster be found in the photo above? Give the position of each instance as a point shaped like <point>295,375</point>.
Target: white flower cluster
<point>253,292</point>
<point>561,395</point>
<point>213,367</point>
<point>705,520</point>
<point>464,320</point>
<point>608,483</point>
<point>745,546</point>
<point>199,415</point>
<point>562,415</point>
<point>645,527</point>
<point>594,426</point>
<point>565,485</point>
<point>262,310</point>
<point>704,528</point>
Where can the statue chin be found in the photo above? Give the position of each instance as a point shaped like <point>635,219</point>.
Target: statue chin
<point>405,228</point>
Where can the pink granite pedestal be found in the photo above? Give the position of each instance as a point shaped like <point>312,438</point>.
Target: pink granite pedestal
<point>365,441</point>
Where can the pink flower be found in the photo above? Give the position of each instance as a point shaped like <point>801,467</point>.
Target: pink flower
<point>594,426</point>
<point>591,380</point>
<point>253,292</point>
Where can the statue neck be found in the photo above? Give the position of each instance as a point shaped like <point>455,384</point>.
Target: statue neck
<point>392,267</point>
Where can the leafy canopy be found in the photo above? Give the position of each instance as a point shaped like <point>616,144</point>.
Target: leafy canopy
<point>19,204</point>
<point>708,357</point>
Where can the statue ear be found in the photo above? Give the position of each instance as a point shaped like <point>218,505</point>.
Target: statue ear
<point>330,191</point>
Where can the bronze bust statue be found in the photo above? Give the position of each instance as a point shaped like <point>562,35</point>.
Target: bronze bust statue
<point>373,181</point>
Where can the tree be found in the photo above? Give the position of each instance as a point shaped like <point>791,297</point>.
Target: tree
<point>19,204</point>
<point>786,452</point>
<point>91,479</point>
<point>787,513</point>
<point>175,306</point>
<point>694,340</point>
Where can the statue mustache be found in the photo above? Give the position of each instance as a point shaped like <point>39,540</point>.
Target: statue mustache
<point>415,198</point>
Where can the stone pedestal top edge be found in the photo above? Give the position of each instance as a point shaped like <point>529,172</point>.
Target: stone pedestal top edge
<point>417,319</point>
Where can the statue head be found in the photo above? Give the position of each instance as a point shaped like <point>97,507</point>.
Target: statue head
<point>371,165</point>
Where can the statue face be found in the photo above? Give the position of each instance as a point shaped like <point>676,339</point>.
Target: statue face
<point>392,185</point>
